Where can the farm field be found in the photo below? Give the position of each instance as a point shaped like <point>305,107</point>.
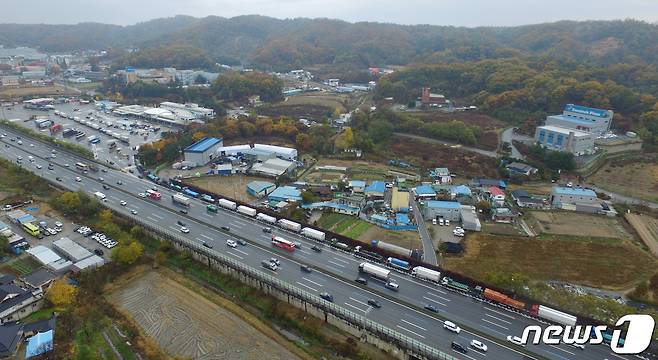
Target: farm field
<point>187,325</point>
<point>234,186</point>
<point>577,224</point>
<point>365,232</point>
<point>647,228</point>
<point>329,101</point>
<point>580,262</point>
<point>638,179</point>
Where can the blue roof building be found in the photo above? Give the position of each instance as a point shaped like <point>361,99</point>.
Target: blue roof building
<point>425,191</point>
<point>573,191</point>
<point>402,219</point>
<point>377,188</point>
<point>358,186</point>
<point>39,344</point>
<point>285,193</point>
<point>561,196</point>
<point>260,188</point>
<point>203,151</point>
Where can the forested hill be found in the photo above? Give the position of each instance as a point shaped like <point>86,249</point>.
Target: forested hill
<point>286,44</point>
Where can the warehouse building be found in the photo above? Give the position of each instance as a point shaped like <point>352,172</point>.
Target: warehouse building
<point>91,262</point>
<point>203,151</point>
<point>273,167</point>
<point>71,250</point>
<point>285,193</point>
<point>194,110</point>
<point>438,209</point>
<point>279,151</point>
<point>469,216</point>
<point>376,189</point>
<point>260,188</point>
<point>565,139</point>
<point>425,192</point>
<point>574,196</point>
<point>582,118</point>
<point>233,150</point>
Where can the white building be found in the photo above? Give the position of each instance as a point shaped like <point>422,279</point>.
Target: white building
<point>280,151</point>
<point>197,111</point>
<point>203,151</point>
<point>582,118</point>
<point>564,139</point>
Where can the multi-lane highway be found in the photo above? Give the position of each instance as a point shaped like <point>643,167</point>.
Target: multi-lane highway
<point>334,271</point>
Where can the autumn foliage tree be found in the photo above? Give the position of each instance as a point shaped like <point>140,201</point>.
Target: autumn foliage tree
<point>61,294</point>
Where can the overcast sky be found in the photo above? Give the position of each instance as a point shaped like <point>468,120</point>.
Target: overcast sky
<point>437,12</point>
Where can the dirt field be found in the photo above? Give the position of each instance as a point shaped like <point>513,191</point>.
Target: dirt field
<point>639,179</point>
<point>575,224</point>
<point>234,186</point>
<point>31,91</point>
<point>609,266</point>
<point>187,325</point>
<point>329,101</point>
<point>406,239</point>
<point>647,228</point>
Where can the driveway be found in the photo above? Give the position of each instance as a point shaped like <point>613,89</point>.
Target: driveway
<point>429,253</point>
<point>508,135</point>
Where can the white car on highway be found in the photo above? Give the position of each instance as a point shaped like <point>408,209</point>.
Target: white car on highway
<point>78,179</point>
<point>478,345</point>
<point>451,326</point>
<point>515,340</point>
<point>184,230</point>
<point>123,203</point>
<point>231,243</point>
<point>142,195</point>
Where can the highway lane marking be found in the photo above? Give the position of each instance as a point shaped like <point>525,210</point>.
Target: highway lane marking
<point>412,324</point>
<point>413,332</point>
<point>207,215</point>
<point>494,330</point>
<point>312,282</point>
<point>341,260</point>
<point>158,216</point>
<point>236,225</point>
<point>359,301</point>
<point>615,355</point>
<point>335,263</point>
<point>437,296</point>
<point>493,323</point>
<point>434,301</point>
<point>206,236</point>
<point>499,313</point>
<point>566,351</point>
<point>499,319</point>
<point>236,255</point>
<point>336,269</point>
<point>306,286</point>
<point>357,308</point>
<point>464,355</point>
<point>152,219</point>
<point>241,252</point>
<point>196,238</point>
<point>558,355</point>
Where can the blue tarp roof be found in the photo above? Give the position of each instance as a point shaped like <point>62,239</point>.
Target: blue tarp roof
<point>402,219</point>
<point>425,190</point>
<point>286,192</point>
<point>443,204</point>
<point>26,218</point>
<point>573,191</point>
<point>203,144</point>
<point>39,344</point>
<point>376,186</point>
<point>380,218</point>
<point>358,183</point>
<point>461,190</point>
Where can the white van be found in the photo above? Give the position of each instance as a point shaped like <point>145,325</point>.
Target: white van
<point>434,221</point>
<point>441,222</point>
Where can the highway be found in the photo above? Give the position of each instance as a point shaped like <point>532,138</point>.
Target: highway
<point>334,270</point>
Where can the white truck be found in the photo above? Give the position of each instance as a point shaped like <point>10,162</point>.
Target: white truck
<point>374,270</point>
<point>180,199</point>
<point>266,218</point>
<point>425,273</point>
<point>246,210</point>
<point>313,234</point>
<point>553,315</point>
<point>290,225</point>
<point>227,204</point>
<point>99,195</point>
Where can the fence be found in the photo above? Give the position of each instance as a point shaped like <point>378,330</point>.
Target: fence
<point>412,346</point>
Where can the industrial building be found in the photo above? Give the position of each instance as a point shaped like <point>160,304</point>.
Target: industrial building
<point>582,118</point>
<point>285,193</point>
<point>49,258</point>
<point>273,167</point>
<point>203,151</point>
<point>469,217</point>
<point>195,110</point>
<point>358,186</point>
<point>565,139</point>
<point>91,262</point>
<point>425,192</point>
<point>260,188</point>
<point>233,150</point>
<point>565,195</point>
<point>280,151</point>
<point>438,209</point>
<point>376,189</point>
<point>71,250</point>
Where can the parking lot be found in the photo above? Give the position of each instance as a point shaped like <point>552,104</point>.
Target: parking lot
<point>443,233</point>
<point>49,218</point>
<point>89,121</point>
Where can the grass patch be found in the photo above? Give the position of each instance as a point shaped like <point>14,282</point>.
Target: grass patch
<point>636,178</point>
<point>22,266</point>
<point>42,314</point>
<point>587,262</point>
<point>344,224</point>
<point>357,230</point>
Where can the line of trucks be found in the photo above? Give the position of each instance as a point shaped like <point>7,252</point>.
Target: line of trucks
<point>382,273</point>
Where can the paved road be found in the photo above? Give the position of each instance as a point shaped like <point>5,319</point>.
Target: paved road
<point>335,270</point>
<point>450,143</point>
<point>508,135</point>
<point>623,199</point>
<point>429,253</point>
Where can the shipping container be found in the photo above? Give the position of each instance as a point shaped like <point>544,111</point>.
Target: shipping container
<point>550,314</point>
<point>290,225</point>
<point>392,248</point>
<point>503,299</point>
<point>227,204</point>
<point>246,210</point>
<point>313,234</point>
<point>266,218</point>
